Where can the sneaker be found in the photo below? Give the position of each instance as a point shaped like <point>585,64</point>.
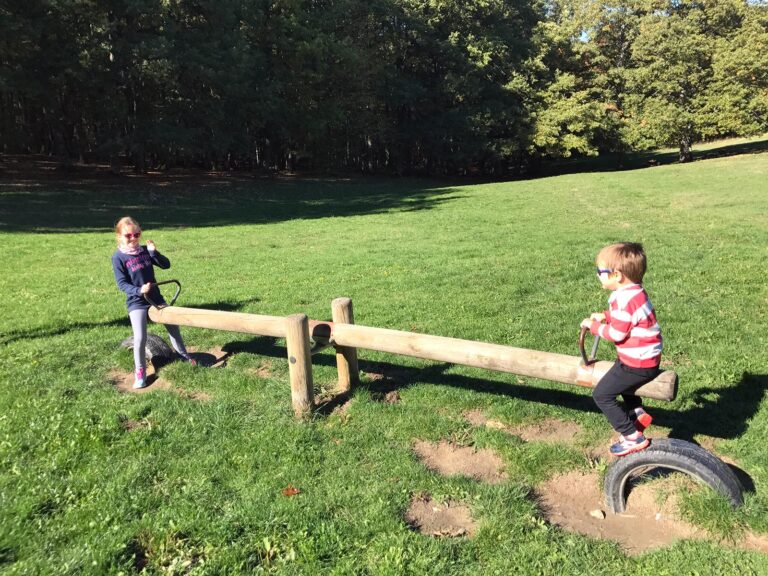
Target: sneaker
<point>141,379</point>
<point>188,359</point>
<point>628,445</point>
<point>641,418</point>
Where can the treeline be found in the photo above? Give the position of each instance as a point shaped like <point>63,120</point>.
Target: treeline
<point>394,86</point>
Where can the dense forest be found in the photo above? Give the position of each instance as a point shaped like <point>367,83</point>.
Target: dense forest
<point>381,86</point>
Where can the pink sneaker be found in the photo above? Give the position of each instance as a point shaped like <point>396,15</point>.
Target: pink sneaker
<point>141,378</point>
<point>628,445</point>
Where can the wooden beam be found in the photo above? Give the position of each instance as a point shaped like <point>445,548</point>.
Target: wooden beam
<point>544,365</point>
<point>533,363</point>
<point>219,320</point>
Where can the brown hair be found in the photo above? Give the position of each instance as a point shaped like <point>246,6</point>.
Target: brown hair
<point>125,221</point>
<point>626,257</point>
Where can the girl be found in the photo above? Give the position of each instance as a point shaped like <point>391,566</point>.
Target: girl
<point>132,264</point>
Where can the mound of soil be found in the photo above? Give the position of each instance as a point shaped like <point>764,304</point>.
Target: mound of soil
<point>447,519</point>
<point>453,460</point>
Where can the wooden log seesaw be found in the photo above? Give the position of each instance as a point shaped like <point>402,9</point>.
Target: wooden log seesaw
<point>347,337</point>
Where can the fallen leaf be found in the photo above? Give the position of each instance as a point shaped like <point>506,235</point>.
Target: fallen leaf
<point>290,490</point>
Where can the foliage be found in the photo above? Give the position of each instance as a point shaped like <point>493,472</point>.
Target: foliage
<point>401,86</point>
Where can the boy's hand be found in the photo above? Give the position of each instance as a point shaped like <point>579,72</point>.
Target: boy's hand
<point>151,245</point>
<point>146,287</point>
<point>599,316</point>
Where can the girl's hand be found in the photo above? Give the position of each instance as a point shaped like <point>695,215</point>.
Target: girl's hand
<point>151,245</point>
<point>599,316</point>
<point>586,323</point>
<point>146,287</point>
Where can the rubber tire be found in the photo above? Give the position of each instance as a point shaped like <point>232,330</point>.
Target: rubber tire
<point>155,347</point>
<point>672,454</point>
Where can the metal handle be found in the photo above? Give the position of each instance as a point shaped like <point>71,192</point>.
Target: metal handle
<point>175,296</point>
<point>592,358</point>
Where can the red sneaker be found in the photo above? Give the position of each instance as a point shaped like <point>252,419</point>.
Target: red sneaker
<point>642,419</point>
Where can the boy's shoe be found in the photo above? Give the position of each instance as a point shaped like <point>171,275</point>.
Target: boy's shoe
<point>641,418</point>
<point>187,358</point>
<point>141,379</point>
<point>628,445</point>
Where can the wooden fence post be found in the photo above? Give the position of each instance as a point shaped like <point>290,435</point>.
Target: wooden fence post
<point>299,363</point>
<point>346,357</point>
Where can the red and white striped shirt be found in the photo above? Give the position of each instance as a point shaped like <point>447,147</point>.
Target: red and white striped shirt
<point>631,324</point>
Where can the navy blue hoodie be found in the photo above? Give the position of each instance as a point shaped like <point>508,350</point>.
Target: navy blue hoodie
<point>132,271</point>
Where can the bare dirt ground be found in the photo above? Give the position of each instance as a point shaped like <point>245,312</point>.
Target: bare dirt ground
<point>441,519</point>
<point>573,501</point>
<point>123,379</point>
<point>453,460</point>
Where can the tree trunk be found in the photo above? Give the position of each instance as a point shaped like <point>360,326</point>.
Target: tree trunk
<point>686,155</point>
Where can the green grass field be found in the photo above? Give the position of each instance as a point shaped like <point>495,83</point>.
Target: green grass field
<point>195,488</point>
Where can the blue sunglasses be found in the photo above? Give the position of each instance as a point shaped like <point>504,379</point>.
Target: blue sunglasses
<point>603,271</point>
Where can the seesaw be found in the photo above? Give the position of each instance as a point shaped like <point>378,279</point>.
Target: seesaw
<point>304,337</point>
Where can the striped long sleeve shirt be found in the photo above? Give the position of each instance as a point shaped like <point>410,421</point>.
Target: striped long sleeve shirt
<point>630,322</point>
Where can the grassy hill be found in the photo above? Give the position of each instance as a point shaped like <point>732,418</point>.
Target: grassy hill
<point>94,481</point>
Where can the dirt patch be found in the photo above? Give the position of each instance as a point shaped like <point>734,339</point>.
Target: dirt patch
<point>263,371</point>
<point>343,408</point>
<point>758,543</point>
<point>574,501</point>
<point>453,460</point>
<point>123,380</point>
<point>130,425</point>
<point>446,519</point>
<point>549,430</point>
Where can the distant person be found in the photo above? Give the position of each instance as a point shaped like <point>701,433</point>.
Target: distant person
<point>133,264</point>
<point>630,323</point>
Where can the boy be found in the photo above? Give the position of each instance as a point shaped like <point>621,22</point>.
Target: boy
<point>629,322</point>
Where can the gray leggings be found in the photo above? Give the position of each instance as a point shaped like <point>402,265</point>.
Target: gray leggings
<point>139,325</point>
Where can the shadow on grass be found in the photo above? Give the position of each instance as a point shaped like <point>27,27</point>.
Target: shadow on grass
<point>47,332</point>
<point>719,413</point>
<point>157,201</point>
<point>637,160</point>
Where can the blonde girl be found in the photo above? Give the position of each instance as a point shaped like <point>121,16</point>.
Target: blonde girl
<point>133,265</point>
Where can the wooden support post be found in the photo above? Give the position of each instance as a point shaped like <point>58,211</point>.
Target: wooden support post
<point>346,357</point>
<point>299,364</point>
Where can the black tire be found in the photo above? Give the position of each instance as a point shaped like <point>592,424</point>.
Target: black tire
<point>155,347</point>
<point>672,454</point>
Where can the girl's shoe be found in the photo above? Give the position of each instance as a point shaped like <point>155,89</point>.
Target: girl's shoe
<point>628,445</point>
<point>141,379</point>
<point>641,419</point>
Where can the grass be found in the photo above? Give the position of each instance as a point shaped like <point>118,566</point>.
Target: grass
<point>195,487</point>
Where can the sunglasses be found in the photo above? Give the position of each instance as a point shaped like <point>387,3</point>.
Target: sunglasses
<point>603,271</point>
<point>131,236</point>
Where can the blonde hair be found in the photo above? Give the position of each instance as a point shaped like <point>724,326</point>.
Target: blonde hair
<point>626,257</point>
<point>125,221</point>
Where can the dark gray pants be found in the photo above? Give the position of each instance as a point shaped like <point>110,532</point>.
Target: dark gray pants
<point>621,380</point>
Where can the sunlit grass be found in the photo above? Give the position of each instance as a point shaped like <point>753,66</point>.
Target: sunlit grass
<point>195,488</point>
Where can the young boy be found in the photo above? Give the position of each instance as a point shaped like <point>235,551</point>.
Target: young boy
<point>629,322</point>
